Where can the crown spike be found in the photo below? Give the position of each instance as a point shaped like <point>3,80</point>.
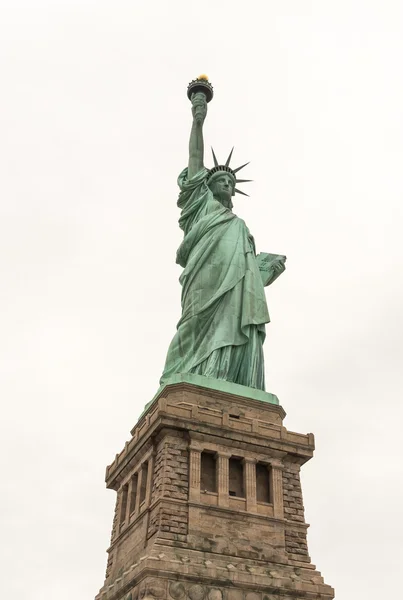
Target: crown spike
<point>239,168</point>
<point>229,158</point>
<point>214,158</point>
<point>243,180</point>
<point>239,192</point>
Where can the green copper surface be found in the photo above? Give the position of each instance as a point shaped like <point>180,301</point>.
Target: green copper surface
<point>221,385</point>
<point>214,384</point>
<point>221,331</point>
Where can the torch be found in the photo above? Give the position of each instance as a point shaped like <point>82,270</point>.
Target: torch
<point>201,84</point>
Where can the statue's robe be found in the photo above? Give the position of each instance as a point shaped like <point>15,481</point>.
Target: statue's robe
<point>224,310</point>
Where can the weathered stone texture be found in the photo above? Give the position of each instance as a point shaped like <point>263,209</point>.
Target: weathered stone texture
<point>154,521</point>
<point>293,503</point>
<point>158,471</point>
<point>295,537</point>
<point>170,481</point>
<point>176,470</point>
<point>129,546</point>
<point>233,534</point>
<point>114,531</point>
<point>160,588</point>
<point>295,542</point>
<point>174,521</point>
<point>227,527</point>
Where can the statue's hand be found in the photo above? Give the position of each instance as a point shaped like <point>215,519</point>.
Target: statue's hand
<point>199,107</point>
<point>279,267</point>
<point>270,266</point>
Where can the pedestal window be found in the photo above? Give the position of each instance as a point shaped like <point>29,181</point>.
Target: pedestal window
<point>123,504</point>
<point>143,486</point>
<point>263,484</point>
<point>208,477</point>
<point>236,478</point>
<point>133,494</point>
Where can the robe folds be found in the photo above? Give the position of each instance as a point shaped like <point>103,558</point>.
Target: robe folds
<point>224,310</point>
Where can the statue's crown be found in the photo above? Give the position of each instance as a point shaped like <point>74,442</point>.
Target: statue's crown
<point>227,169</point>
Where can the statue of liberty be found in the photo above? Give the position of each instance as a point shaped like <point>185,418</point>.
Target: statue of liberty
<point>224,311</point>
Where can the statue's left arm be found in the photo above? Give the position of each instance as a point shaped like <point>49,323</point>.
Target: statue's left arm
<point>270,266</point>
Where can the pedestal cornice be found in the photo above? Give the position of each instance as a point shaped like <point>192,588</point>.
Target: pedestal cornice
<point>206,412</point>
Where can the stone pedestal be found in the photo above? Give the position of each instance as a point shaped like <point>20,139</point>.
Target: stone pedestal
<point>209,502</point>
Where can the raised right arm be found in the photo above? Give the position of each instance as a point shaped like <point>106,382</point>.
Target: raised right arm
<point>196,143</point>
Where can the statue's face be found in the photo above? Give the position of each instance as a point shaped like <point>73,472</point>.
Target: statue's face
<point>223,188</point>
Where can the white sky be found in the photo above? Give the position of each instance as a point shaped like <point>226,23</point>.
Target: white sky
<point>94,125</point>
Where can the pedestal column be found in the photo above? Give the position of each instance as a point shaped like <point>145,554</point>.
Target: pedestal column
<point>128,502</point>
<point>277,488</point>
<point>223,478</point>
<point>139,482</point>
<point>194,478</point>
<point>150,474</point>
<point>250,483</point>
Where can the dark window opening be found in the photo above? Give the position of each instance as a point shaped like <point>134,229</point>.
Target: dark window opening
<point>208,472</point>
<point>133,494</point>
<point>236,480</point>
<point>234,416</point>
<point>144,477</point>
<point>263,491</point>
<point>123,504</point>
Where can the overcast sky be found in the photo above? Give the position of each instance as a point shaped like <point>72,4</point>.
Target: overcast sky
<point>94,126</point>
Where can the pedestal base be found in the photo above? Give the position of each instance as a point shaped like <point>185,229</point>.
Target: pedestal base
<point>209,503</point>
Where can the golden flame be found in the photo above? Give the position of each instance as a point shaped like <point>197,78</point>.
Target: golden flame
<point>204,77</point>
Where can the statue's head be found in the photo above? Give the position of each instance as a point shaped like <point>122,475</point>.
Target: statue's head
<point>222,181</point>
<point>222,186</point>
